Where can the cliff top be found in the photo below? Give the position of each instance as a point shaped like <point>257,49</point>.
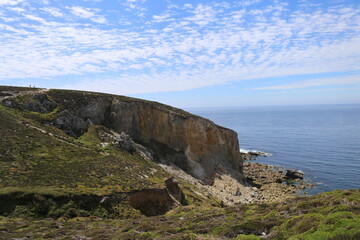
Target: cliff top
<point>82,98</point>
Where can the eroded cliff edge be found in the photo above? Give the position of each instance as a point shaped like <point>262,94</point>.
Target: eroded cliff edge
<point>195,144</point>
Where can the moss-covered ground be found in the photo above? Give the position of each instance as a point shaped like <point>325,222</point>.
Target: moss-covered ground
<point>38,156</point>
<point>333,215</point>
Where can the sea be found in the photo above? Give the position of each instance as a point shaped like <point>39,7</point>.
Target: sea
<point>322,141</point>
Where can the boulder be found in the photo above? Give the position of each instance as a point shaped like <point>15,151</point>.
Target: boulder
<point>294,174</point>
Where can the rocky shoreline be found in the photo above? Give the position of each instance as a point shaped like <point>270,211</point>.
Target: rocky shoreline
<point>274,184</point>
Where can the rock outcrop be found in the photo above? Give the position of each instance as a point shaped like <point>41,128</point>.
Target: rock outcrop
<point>37,102</point>
<point>294,174</point>
<point>40,103</point>
<point>196,145</point>
<point>152,202</point>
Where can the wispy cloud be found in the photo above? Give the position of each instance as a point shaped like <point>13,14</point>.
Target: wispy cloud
<point>181,47</point>
<point>88,13</point>
<point>135,6</point>
<point>10,2</point>
<point>53,11</point>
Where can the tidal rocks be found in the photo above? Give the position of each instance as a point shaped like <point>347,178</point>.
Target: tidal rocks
<point>252,154</point>
<point>273,183</point>
<point>294,174</point>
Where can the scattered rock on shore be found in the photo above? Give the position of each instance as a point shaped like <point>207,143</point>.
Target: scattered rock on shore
<point>294,174</point>
<point>273,183</point>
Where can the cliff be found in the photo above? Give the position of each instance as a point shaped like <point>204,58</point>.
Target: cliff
<point>94,143</point>
<point>196,145</point>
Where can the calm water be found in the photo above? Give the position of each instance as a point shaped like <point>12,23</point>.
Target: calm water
<point>322,141</point>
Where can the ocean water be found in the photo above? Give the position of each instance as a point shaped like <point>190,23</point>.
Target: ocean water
<point>323,141</point>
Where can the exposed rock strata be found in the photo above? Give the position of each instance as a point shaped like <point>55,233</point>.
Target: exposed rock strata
<point>192,143</point>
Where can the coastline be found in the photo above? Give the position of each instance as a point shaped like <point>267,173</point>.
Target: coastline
<point>273,183</point>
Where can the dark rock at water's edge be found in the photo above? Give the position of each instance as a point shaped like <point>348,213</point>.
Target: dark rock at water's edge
<point>274,183</point>
<point>294,174</point>
<point>253,154</point>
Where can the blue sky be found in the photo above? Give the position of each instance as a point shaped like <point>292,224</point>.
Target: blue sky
<point>187,53</point>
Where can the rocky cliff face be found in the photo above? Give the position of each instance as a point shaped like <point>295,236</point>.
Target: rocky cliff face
<point>196,145</point>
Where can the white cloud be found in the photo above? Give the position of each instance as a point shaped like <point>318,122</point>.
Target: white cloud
<point>99,19</point>
<point>88,13</point>
<point>188,6</point>
<point>162,18</point>
<point>204,45</point>
<point>35,18</point>
<point>10,2</point>
<point>54,12</point>
<point>202,15</point>
<point>82,12</point>
<point>135,4</point>
<point>17,9</point>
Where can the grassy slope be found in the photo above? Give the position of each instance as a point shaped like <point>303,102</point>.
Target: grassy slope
<point>333,215</point>
<point>32,159</point>
<point>82,98</point>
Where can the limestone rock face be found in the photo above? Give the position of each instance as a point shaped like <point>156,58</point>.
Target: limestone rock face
<point>196,145</point>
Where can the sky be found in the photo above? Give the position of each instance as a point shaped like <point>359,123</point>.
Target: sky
<point>187,53</point>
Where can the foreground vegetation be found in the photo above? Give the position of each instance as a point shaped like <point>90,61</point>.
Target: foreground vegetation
<point>332,215</point>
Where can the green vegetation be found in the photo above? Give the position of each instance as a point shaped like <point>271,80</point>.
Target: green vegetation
<point>288,220</point>
<point>70,99</point>
<point>53,186</point>
<point>46,173</point>
<point>43,156</point>
<point>17,89</point>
